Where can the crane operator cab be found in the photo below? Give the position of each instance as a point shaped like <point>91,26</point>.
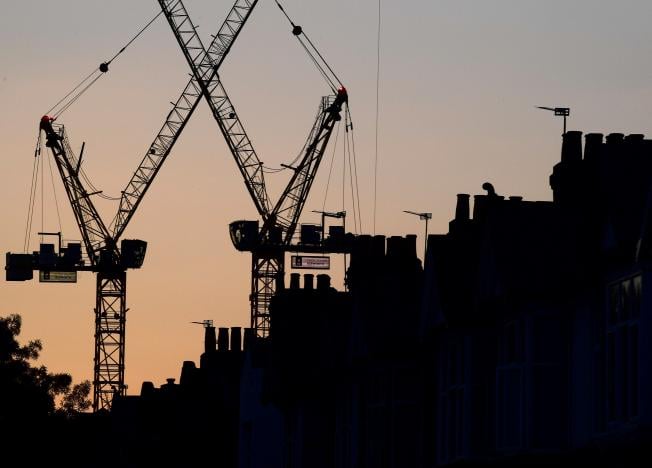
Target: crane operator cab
<point>244,235</point>
<point>132,253</point>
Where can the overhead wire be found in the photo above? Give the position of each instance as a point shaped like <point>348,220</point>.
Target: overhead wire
<point>377,111</point>
<point>349,123</point>
<point>330,171</point>
<point>32,193</point>
<point>42,200</point>
<point>347,153</point>
<point>54,192</point>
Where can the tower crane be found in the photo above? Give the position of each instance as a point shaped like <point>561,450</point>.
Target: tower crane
<point>269,243</point>
<point>104,257</point>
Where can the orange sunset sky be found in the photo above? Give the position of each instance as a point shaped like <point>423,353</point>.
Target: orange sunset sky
<point>459,82</point>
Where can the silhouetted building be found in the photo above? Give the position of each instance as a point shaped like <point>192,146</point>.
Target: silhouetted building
<point>536,316</point>
<point>191,423</point>
<point>522,342</point>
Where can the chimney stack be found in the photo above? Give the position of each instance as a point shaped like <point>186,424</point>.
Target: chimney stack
<point>571,148</point>
<point>223,339</point>
<point>592,146</point>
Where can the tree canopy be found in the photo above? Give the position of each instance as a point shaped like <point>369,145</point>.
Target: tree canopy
<point>29,393</point>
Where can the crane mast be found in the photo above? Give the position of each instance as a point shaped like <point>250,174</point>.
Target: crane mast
<point>279,223</point>
<point>106,260</point>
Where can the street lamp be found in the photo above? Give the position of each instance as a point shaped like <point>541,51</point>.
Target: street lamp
<point>559,112</point>
<point>424,217</point>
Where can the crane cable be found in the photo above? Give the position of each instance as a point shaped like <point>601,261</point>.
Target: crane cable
<point>330,171</point>
<point>32,195</point>
<point>313,52</point>
<point>349,126</point>
<point>95,75</point>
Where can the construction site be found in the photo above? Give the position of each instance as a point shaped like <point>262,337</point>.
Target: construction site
<point>508,332</point>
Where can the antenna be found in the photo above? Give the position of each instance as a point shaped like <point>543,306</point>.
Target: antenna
<point>424,217</point>
<point>205,323</point>
<point>559,112</point>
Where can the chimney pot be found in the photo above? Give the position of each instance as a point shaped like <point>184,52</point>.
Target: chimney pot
<point>323,282</point>
<point>295,279</point>
<point>249,337</point>
<point>308,281</point>
<point>410,246</point>
<point>635,137</point>
<point>615,138</point>
<point>571,148</point>
<point>209,339</point>
<point>592,146</point>
<point>378,247</point>
<point>462,208</point>
<point>223,339</point>
<point>236,338</point>
<point>187,372</point>
<point>147,389</point>
<point>394,246</point>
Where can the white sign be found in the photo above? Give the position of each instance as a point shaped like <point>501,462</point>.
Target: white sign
<point>310,263</point>
<point>57,276</point>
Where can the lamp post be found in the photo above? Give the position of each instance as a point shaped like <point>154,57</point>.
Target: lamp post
<point>424,217</point>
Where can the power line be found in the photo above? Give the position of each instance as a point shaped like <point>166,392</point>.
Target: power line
<point>377,112</point>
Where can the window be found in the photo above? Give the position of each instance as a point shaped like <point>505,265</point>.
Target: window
<point>621,342</point>
<point>452,389</point>
<point>509,386</point>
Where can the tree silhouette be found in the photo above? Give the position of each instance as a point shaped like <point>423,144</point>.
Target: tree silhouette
<point>28,393</point>
<point>76,400</point>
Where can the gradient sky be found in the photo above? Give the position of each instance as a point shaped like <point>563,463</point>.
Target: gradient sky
<point>458,84</point>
